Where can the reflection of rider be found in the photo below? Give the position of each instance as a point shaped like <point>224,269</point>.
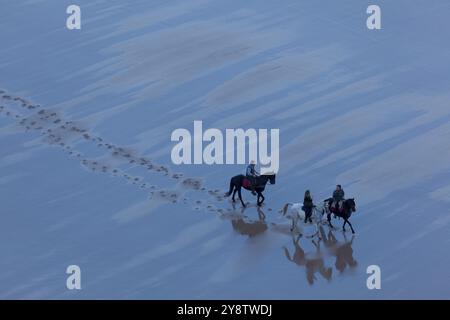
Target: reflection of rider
<point>338,197</point>
<point>251,174</point>
<point>343,251</point>
<point>312,264</point>
<point>308,206</point>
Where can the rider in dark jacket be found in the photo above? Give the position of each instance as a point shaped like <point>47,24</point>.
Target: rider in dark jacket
<point>338,196</point>
<point>308,206</point>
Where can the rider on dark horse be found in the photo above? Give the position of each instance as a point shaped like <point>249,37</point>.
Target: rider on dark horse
<point>338,198</point>
<point>251,174</point>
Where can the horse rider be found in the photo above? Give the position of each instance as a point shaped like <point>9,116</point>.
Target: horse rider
<point>308,206</point>
<point>251,174</point>
<point>338,197</point>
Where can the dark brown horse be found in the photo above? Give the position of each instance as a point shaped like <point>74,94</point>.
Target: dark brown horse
<point>348,207</point>
<point>240,181</point>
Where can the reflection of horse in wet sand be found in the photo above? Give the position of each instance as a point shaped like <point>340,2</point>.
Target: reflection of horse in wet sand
<point>312,264</point>
<point>343,251</point>
<point>250,228</point>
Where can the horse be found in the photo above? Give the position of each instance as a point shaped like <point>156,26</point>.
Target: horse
<point>297,213</point>
<point>239,181</point>
<point>348,207</point>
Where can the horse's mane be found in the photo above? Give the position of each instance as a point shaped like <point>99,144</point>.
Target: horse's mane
<point>349,200</point>
<point>285,208</point>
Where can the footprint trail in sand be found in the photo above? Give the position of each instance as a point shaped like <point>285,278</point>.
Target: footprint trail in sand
<point>116,161</point>
<point>57,131</point>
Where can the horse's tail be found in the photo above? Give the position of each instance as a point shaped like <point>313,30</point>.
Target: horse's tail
<point>285,208</point>
<point>231,188</point>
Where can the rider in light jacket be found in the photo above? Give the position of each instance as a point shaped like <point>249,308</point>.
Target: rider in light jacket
<point>251,174</point>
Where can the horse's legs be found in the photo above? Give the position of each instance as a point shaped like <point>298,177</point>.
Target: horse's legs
<point>351,227</point>
<point>240,197</point>
<point>260,195</point>
<point>234,193</point>
<point>345,238</point>
<point>329,220</point>
<point>343,226</point>
<point>294,222</point>
<point>261,214</point>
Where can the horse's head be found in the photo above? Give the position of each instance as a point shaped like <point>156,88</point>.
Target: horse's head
<point>351,204</point>
<point>272,179</point>
<point>270,176</point>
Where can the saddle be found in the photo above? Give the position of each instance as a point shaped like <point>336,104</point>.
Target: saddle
<point>246,183</point>
<point>335,211</point>
<point>332,207</point>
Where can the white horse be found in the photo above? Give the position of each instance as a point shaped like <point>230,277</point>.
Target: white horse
<point>294,212</point>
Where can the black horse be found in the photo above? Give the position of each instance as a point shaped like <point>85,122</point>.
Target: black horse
<point>348,207</point>
<point>237,183</point>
